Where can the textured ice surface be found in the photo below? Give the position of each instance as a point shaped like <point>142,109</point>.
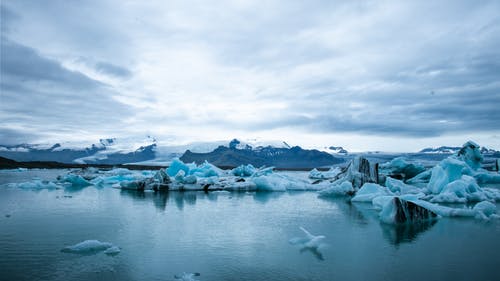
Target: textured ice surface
<point>369,191</point>
<point>485,210</point>
<point>397,210</point>
<point>75,180</point>
<point>330,174</point>
<point>337,190</point>
<point>401,165</point>
<point>244,170</point>
<point>204,170</point>
<point>399,187</point>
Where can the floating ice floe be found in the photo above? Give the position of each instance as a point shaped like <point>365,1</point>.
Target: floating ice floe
<point>74,180</point>
<point>35,185</point>
<point>312,243</point>
<point>92,246</point>
<point>187,276</point>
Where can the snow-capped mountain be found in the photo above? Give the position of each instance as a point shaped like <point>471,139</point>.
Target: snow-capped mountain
<point>453,149</point>
<point>146,151</point>
<point>106,151</point>
<point>337,150</point>
<point>238,153</point>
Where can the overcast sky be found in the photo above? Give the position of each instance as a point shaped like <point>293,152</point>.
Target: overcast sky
<point>366,75</point>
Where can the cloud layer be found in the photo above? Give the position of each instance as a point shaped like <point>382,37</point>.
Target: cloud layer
<point>363,74</point>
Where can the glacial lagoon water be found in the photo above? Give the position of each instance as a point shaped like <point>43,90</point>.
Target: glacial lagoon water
<point>228,236</point>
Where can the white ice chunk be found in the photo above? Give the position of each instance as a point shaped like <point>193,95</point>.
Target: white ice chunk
<point>75,180</point>
<point>400,187</point>
<point>112,251</point>
<point>445,172</point>
<point>244,170</point>
<point>280,182</point>
<point>337,190</point>
<point>369,191</point>
<point>330,174</point>
<point>35,184</point>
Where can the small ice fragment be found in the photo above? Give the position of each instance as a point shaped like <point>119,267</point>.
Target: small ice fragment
<point>87,246</point>
<point>113,251</point>
<point>187,276</point>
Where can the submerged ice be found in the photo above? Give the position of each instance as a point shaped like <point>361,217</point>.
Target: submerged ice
<point>92,246</point>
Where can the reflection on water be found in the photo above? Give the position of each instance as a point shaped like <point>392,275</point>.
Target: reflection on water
<point>357,212</point>
<point>405,233</point>
<point>313,250</point>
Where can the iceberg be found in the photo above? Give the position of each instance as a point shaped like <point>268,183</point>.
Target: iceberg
<point>400,166</point>
<point>279,182</point>
<point>204,170</point>
<point>330,174</point>
<point>485,210</point>
<point>88,246</point>
<point>75,180</point>
<point>358,172</point>
<point>244,170</point>
<point>399,187</point>
<point>455,179</point>
<point>335,190</point>
<point>369,191</point>
<point>397,211</point>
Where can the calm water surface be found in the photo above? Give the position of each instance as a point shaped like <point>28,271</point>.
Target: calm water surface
<point>228,236</point>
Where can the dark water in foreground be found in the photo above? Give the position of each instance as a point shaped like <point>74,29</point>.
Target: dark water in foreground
<point>229,236</point>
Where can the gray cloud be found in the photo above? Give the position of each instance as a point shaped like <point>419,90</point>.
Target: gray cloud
<point>24,64</point>
<point>42,98</point>
<point>113,70</point>
<point>383,68</point>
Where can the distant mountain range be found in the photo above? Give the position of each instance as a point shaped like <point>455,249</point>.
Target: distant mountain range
<point>280,157</point>
<point>107,151</point>
<point>148,152</point>
<point>454,149</point>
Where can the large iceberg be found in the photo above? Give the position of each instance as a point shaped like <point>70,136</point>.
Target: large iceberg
<point>397,210</point>
<point>455,179</point>
<point>369,191</point>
